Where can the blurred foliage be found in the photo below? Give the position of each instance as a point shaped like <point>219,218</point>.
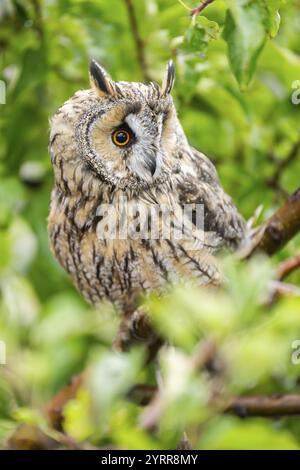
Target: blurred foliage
<point>237,65</point>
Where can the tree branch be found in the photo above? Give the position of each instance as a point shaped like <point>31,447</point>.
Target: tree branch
<point>148,395</point>
<point>267,406</point>
<point>278,230</point>
<point>196,11</point>
<point>245,406</point>
<point>255,405</point>
<point>139,43</point>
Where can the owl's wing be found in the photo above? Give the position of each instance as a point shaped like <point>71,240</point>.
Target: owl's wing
<point>199,184</point>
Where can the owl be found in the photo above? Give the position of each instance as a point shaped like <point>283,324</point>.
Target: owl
<point>117,147</point>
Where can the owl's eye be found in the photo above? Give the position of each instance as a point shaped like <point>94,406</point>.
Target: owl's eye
<point>121,137</point>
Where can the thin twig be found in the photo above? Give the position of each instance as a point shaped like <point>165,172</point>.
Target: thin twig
<point>281,289</point>
<point>184,443</point>
<point>139,43</point>
<point>287,267</point>
<point>274,181</point>
<point>196,11</point>
<point>185,5</point>
<point>54,408</point>
<point>38,19</point>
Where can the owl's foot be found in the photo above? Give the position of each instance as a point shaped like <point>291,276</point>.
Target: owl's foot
<point>137,329</point>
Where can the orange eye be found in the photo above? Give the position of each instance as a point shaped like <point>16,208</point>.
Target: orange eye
<point>121,137</point>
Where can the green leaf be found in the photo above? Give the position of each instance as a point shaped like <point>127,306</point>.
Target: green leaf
<point>199,34</point>
<point>77,416</point>
<point>274,16</point>
<point>112,375</point>
<point>246,27</point>
<point>232,434</point>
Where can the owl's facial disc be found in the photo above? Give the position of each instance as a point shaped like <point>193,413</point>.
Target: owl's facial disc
<point>127,141</point>
<point>123,141</point>
<point>123,136</point>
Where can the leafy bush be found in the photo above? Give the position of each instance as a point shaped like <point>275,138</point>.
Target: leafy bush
<point>237,65</point>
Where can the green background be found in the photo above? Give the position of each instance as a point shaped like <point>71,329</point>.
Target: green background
<point>235,75</point>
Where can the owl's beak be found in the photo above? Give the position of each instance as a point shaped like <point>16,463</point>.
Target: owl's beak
<point>152,165</point>
<point>146,167</point>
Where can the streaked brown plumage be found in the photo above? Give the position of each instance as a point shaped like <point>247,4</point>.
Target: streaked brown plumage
<point>158,167</point>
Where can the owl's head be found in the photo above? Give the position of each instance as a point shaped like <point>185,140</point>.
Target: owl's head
<point>126,133</point>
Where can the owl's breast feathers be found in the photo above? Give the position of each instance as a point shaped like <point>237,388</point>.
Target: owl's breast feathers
<point>120,270</point>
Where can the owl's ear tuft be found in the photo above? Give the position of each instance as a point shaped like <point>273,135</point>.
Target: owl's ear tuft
<point>169,79</point>
<point>100,80</point>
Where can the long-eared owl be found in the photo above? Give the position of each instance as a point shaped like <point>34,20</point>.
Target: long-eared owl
<point>121,143</point>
